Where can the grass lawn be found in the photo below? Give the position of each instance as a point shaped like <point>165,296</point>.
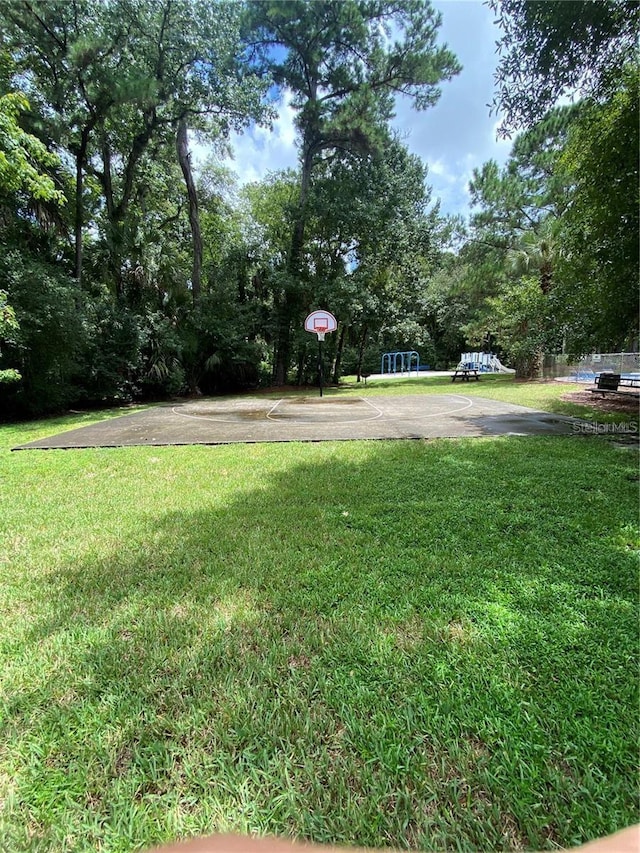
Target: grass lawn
<point>408,644</point>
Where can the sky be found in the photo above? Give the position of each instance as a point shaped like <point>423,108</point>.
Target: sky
<point>452,138</point>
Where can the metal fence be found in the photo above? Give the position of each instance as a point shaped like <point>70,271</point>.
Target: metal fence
<point>586,368</point>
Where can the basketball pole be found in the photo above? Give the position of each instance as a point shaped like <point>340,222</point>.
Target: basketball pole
<point>320,322</point>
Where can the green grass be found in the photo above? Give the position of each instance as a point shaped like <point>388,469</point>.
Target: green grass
<point>412,644</point>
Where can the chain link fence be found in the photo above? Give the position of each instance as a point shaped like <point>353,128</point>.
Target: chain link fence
<point>586,368</point>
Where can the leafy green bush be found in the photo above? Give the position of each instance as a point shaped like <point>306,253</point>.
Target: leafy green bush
<point>160,370</point>
<point>217,352</point>
<point>112,352</point>
<point>50,335</point>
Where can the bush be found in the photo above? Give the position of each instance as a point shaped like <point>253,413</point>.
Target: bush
<point>160,371</point>
<point>45,347</point>
<point>110,358</point>
<point>216,351</point>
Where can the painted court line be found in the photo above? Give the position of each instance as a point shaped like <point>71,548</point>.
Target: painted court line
<point>439,413</point>
<point>392,415</point>
<point>277,403</point>
<point>218,420</point>
<point>379,411</point>
<point>325,422</point>
<point>329,420</point>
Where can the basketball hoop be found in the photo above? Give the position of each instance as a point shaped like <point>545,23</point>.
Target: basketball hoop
<point>319,323</point>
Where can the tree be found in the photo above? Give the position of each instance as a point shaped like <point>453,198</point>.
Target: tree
<point>156,249</point>
<point>515,243</point>
<point>445,307</point>
<point>24,159</point>
<point>71,55</point>
<point>380,232</point>
<point>113,76</point>
<point>518,320</point>
<point>536,253</point>
<point>600,227</point>
<point>184,158</point>
<point>564,213</point>
<point>45,347</point>
<point>550,48</point>
<point>25,180</point>
<point>8,326</point>
<point>344,67</point>
<point>189,55</point>
<point>529,189</point>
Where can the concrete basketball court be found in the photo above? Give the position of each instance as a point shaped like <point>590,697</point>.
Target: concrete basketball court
<point>309,418</point>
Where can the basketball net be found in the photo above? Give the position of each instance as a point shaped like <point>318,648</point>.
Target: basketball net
<point>320,333</point>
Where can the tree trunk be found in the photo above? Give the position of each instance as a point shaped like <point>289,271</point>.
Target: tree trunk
<point>81,159</point>
<point>290,306</point>
<point>117,212</point>
<point>184,159</point>
<point>78,220</point>
<point>113,225</point>
<point>81,164</point>
<point>363,341</point>
<point>529,365</point>
<point>337,361</point>
<point>297,236</point>
<point>282,350</point>
<point>302,357</point>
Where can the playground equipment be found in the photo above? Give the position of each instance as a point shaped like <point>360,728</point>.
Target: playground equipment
<point>400,362</point>
<point>484,362</point>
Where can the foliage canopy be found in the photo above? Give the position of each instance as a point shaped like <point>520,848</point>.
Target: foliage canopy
<point>552,48</point>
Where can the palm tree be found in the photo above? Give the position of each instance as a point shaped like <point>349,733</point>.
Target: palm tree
<point>537,253</point>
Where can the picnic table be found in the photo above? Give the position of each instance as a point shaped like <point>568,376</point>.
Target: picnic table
<point>464,372</point>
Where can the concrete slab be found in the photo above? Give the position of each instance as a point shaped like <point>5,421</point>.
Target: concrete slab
<point>299,418</point>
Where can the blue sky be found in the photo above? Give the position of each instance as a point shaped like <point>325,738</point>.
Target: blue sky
<point>453,138</point>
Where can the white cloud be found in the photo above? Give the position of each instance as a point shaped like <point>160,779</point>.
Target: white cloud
<point>439,168</point>
<point>257,150</point>
<point>449,183</point>
<point>261,149</point>
<point>458,134</point>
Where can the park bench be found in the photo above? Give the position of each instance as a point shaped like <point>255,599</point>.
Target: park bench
<point>610,383</point>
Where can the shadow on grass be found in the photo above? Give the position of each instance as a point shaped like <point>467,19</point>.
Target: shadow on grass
<point>431,646</point>
<point>629,413</point>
